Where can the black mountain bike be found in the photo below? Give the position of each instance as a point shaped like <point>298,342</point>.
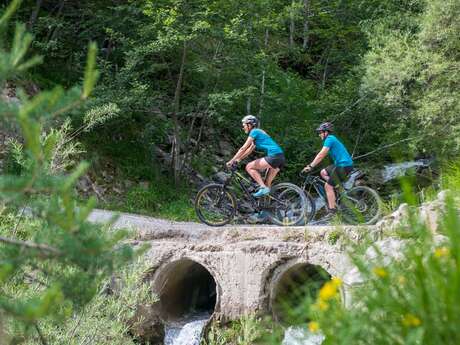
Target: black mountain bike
<point>216,204</point>
<point>355,204</point>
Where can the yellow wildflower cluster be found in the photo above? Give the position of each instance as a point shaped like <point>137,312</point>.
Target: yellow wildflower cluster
<point>329,291</point>
<point>380,272</point>
<point>313,326</point>
<point>410,320</point>
<point>441,252</point>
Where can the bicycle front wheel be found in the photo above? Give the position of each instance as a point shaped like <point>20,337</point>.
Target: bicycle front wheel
<point>288,205</point>
<point>214,205</point>
<point>361,205</point>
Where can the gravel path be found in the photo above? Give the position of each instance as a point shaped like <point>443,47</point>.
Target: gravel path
<point>149,228</point>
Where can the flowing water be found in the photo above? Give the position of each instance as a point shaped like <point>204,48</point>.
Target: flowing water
<point>392,171</point>
<point>187,331</point>
<point>301,336</point>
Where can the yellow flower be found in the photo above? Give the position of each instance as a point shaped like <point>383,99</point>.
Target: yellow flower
<point>410,320</point>
<point>380,272</point>
<point>441,252</point>
<point>313,326</point>
<point>328,291</point>
<point>337,282</point>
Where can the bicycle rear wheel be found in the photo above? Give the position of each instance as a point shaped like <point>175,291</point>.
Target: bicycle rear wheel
<point>360,205</point>
<point>288,205</point>
<point>214,205</point>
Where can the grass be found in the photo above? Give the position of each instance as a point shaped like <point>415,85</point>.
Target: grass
<point>160,199</point>
<point>244,331</point>
<point>410,301</point>
<point>157,195</point>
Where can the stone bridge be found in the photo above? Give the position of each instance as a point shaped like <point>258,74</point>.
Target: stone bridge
<point>235,270</point>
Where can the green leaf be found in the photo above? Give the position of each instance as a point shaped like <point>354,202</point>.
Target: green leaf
<point>91,74</point>
<point>10,10</point>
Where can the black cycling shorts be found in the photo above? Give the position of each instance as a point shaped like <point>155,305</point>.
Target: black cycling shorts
<point>337,174</point>
<point>276,161</point>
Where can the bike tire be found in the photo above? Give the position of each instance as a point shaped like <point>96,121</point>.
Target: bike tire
<point>361,205</point>
<point>310,208</point>
<point>292,214</point>
<point>207,210</point>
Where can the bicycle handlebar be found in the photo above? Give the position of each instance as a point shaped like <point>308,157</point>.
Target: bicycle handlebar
<point>303,173</point>
<point>231,168</point>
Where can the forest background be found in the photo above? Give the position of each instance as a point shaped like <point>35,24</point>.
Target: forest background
<point>177,76</point>
<point>174,79</point>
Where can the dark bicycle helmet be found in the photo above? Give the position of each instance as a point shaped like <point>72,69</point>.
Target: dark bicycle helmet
<point>325,126</point>
<point>250,119</point>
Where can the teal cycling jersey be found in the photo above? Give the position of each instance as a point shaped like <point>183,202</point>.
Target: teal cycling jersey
<point>338,152</point>
<point>265,143</point>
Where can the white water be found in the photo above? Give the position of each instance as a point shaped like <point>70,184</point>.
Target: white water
<point>301,336</point>
<point>186,332</point>
<point>392,171</point>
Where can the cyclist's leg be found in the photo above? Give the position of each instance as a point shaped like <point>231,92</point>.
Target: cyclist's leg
<point>253,169</point>
<point>330,175</point>
<point>276,163</point>
<point>272,172</point>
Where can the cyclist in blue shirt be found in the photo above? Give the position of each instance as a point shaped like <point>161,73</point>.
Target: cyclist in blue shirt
<point>339,171</point>
<point>260,140</point>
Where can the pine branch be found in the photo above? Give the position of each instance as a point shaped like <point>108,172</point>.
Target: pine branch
<point>31,245</point>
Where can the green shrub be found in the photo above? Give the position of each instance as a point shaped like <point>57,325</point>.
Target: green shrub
<point>413,300</point>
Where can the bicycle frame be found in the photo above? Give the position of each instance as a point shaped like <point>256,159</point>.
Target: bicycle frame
<point>259,204</point>
<point>318,184</point>
<point>243,182</point>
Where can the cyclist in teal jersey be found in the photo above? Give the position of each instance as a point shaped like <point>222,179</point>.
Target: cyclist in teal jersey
<point>339,171</point>
<point>273,161</point>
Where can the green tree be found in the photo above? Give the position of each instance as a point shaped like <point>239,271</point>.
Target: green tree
<point>413,70</point>
<point>52,260</point>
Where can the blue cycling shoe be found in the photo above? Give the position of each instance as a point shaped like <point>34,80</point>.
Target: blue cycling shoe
<point>261,192</point>
<point>258,217</point>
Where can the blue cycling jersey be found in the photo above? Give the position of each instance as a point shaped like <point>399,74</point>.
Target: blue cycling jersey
<point>338,152</point>
<point>264,142</point>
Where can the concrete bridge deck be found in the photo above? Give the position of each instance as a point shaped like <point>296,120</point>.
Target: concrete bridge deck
<point>236,269</point>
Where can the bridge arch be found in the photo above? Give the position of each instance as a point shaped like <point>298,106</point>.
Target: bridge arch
<point>289,281</point>
<point>185,286</point>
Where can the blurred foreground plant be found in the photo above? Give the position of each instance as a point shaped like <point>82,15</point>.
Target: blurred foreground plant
<point>412,300</point>
<point>52,260</point>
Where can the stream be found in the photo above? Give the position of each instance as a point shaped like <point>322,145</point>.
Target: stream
<point>187,331</point>
<point>295,335</point>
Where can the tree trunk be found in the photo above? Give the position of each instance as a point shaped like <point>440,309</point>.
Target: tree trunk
<point>56,30</point>
<point>176,138</point>
<point>34,14</point>
<point>323,83</point>
<point>291,26</point>
<point>262,84</point>
<point>306,8</point>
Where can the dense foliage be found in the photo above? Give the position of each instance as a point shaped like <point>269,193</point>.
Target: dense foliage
<point>177,74</point>
<point>52,259</point>
<point>175,77</point>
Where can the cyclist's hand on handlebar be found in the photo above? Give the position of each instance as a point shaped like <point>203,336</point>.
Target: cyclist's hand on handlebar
<point>232,164</point>
<point>307,169</point>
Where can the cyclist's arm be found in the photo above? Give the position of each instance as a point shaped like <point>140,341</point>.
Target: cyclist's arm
<point>248,151</point>
<point>238,156</point>
<point>320,156</point>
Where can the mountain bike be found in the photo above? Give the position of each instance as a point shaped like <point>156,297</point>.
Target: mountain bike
<point>216,204</point>
<point>355,204</point>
